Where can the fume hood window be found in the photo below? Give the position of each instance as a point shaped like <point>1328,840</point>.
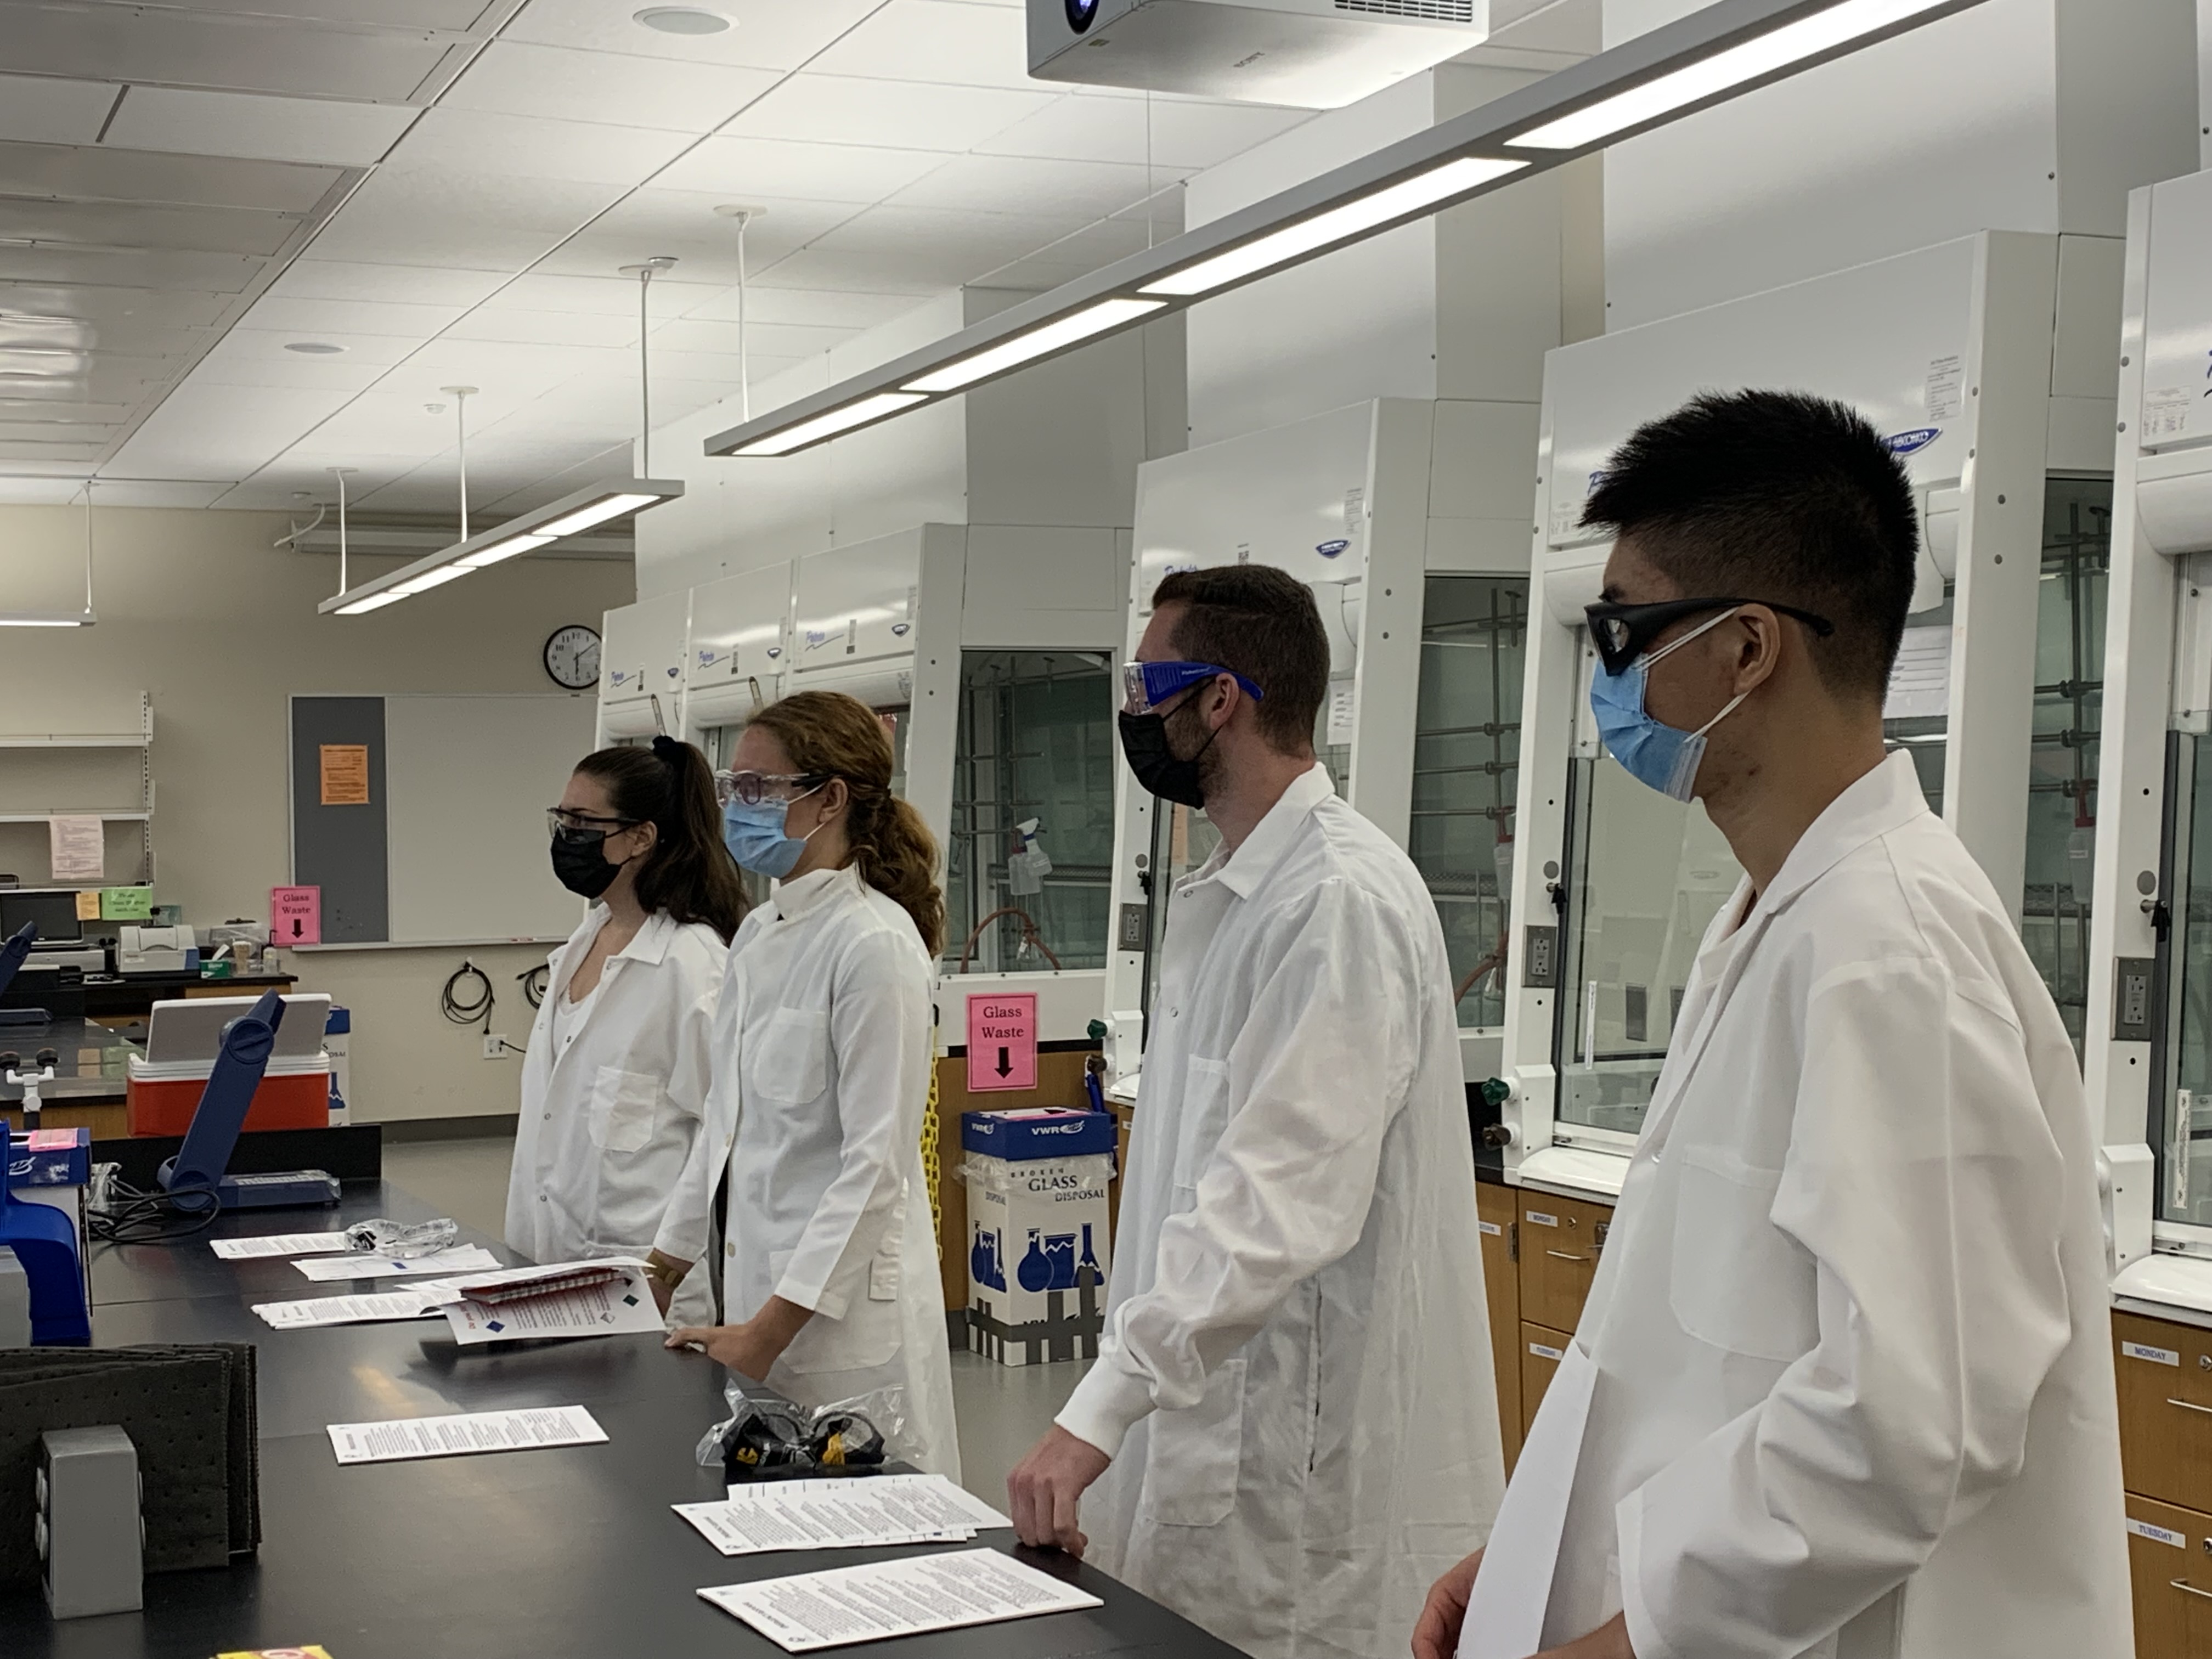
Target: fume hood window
<point>1644,876</point>
<point>2069,698</point>
<point>1026,877</point>
<point>1467,747</point>
<point>2181,1133</point>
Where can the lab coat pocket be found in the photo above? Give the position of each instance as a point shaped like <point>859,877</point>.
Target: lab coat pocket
<point>1737,1281</point>
<point>790,1060</point>
<point>866,1339</point>
<point>623,1104</point>
<point>1190,1475</point>
<point>1198,1126</point>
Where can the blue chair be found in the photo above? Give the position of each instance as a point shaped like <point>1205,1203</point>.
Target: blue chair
<point>43,1238</point>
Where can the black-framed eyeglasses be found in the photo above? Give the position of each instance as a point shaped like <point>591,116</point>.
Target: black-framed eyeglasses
<point>585,826</point>
<point>1622,633</point>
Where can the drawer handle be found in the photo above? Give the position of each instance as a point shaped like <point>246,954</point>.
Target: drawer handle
<point>1562,1255</point>
<point>2184,1584</point>
<point>2190,1405</point>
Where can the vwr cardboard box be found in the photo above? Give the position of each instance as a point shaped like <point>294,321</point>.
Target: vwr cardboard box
<point>1038,1252</point>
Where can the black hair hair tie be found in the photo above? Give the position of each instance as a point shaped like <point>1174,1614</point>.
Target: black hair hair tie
<point>668,752</point>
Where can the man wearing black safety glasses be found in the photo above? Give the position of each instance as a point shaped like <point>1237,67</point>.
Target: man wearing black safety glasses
<point>1843,1387</point>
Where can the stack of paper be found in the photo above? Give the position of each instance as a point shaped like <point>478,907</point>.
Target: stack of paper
<point>852,1513</point>
<point>469,1431</point>
<point>272,1244</point>
<point>467,1258</point>
<point>626,1304</point>
<point>577,1314</point>
<point>902,1597</point>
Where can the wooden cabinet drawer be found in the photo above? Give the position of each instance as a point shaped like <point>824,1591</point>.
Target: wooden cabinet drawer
<point>1560,1238</point>
<point>2165,1373</point>
<point>2170,1566</point>
<point>1497,1206</point>
<point>1541,1350</point>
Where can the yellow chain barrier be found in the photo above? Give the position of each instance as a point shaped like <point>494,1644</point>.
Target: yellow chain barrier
<point>931,1169</point>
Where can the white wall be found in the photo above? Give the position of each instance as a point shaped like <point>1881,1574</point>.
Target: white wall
<point>197,608</point>
<point>2035,115</point>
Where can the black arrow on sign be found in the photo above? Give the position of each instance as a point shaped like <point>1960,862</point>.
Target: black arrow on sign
<point>1004,1068</point>
<point>297,929</point>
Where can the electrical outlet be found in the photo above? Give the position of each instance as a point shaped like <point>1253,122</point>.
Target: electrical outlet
<point>495,1045</point>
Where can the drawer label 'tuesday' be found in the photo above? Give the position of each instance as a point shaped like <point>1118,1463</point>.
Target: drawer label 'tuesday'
<point>2144,1350</point>
<point>2157,1534</point>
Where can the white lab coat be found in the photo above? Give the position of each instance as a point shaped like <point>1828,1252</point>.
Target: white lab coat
<point>1296,1385</point>
<point>607,1124</point>
<point>1852,1374</point>
<point>821,1059</point>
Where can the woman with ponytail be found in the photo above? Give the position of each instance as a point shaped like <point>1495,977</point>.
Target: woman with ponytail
<point>614,1084</point>
<point>827,1274</point>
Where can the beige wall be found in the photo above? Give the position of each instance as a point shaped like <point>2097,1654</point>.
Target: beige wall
<point>198,609</point>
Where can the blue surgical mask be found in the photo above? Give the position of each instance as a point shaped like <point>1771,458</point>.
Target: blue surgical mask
<point>756,837</point>
<point>1650,750</point>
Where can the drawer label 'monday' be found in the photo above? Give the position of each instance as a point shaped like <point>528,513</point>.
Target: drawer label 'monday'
<point>2144,1350</point>
<point>1492,1229</point>
<point>1541,1219</point>
<point>2157,1534</point>
<point>1543,1352</point>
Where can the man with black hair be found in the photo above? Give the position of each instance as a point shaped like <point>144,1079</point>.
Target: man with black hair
<point>1292,1424</point>
<point>1844,1385</point>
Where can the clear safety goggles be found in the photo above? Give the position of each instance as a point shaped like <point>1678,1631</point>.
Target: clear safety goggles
<point>584,826</point>
<point>1147,685</point>
<point>753,787</point>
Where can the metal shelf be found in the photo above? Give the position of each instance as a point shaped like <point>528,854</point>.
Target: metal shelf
<point>140,817</point>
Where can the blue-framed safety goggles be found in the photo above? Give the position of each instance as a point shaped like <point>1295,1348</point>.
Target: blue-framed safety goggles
<point>1147,685</point>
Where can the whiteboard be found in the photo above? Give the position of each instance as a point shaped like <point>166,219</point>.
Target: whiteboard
<point>468,781</point>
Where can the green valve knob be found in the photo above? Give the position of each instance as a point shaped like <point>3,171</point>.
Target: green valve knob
<point>1095,1031</point>
<point>1495,1092</point>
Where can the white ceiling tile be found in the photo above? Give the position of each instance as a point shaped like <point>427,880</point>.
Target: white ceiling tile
<point>869,273</point>
<point>18,490</point>
<point>174,308</point>
<point>337,279</point>
<point>546,328</point>
<point>320,318</point>
<point>245,125</point>
<point>833,109</point>
<point>35,110</point>
<point>682,225</point>
<point>162,267</point>
<point>956,44</point>
<point>824,309</point>
<point>779,34</point>
<point>85,173</point>
<point>473,221</point>
<point>332,374</point>
<point>513,77</point>
<point>269,344</point>
<point>1176,136</point>
<point>163,45</point>
<point>154,492</point>
<point>1010,184</point>
<point>747,169</point>
<point>532,147</point>
<point>940,241</point>
<point>763,339</point>
<point>598,295</point>
<point>205,431</point>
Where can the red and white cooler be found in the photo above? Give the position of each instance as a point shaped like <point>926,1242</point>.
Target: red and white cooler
<point>182,1040</point>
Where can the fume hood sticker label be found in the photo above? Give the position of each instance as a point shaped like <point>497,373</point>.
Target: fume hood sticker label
<point>2157,1534</point>
<point>2144,1350</point>
<point>1331,550</point>
<point>1947,388</point>
<point>1343,704</point>
<point>2166,413</point>
<point>1002,1042</point>
<point>1911,443</point>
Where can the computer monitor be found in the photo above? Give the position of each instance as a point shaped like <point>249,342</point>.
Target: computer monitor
<point>53,908</point>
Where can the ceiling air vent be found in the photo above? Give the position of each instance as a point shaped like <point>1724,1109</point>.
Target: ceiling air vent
<point>1434,11</point>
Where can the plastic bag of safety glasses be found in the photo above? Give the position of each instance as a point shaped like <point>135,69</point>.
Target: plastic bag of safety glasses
<point>768,1437</point>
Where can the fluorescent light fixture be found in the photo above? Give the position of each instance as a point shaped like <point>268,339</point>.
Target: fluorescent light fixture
<point>1663,74</point>
<point>836,421</point>
<point>1337,225</point>
<point>32,619</point>
<point>524,534</point>
<point>1808,37</point>
<point>599,513</point>
<point>1037,342</point>
<point>373,602</point>
<point>498,552</point>
<point>429,578</point>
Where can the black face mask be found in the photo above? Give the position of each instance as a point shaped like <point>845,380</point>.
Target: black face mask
<point>1144,741</point>
<point>580,860</point>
